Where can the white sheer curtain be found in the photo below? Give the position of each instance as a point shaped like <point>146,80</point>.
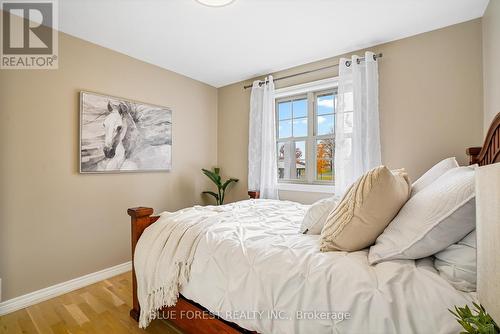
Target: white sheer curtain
<point>262,168</point>
<point>357,129</point>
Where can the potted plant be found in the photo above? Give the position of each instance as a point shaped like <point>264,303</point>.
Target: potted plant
<point>221,187</point>
<point>478,323</point>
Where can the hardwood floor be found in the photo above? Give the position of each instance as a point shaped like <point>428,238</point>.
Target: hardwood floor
<point>99,308</point>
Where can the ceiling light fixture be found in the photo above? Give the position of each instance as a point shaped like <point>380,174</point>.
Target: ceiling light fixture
<point>215,3</point>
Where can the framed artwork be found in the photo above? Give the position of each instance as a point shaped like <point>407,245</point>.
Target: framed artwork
<point>120,135</point>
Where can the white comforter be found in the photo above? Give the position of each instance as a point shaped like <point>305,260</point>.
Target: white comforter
<point>253,268</point>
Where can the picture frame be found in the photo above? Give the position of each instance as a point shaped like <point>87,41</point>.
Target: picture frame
<point>122,135</point>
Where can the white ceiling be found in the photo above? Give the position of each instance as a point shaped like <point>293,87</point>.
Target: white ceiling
<point>248,38</point>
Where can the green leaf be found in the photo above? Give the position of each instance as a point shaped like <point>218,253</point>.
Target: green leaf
<point>212,176</point>
<point>216,196</point>
<point>212,193</point>
<point>228,182</point>
<point>454,312</point>
<point>477,306</point>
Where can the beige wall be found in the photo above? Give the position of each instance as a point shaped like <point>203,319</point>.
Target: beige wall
<point>56,224</point>
<point>491,58</point>
<point>430,104</point>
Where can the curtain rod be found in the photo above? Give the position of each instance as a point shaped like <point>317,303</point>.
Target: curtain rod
<point>348,63</point>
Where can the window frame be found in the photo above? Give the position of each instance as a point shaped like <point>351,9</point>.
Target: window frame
<point>292,138</point>
<point>316,136</point>
<point>312,91</point>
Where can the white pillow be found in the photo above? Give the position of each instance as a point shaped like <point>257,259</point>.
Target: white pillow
<point>434,218</point>
<point>316,215</point>
<point>457,263</point>
<point>433,174</point>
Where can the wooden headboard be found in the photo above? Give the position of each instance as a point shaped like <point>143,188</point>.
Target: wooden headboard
<point>490,152</point>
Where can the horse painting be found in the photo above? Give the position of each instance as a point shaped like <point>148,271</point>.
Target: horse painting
<point>119,135</point>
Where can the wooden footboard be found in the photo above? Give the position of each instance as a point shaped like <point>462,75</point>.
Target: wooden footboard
<point>183,314</point>
<point>141,217</point>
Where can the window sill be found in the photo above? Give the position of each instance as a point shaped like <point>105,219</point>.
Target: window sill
<point>312,188</point>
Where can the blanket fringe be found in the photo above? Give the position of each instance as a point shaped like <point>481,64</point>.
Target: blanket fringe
<point>166,295</point>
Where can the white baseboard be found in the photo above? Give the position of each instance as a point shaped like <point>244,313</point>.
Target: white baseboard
<point>38,296</point>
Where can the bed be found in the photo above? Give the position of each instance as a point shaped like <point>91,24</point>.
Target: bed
<point>255,273</point>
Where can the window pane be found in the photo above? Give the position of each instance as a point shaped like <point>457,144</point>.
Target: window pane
<point>300,160</point>
<point>300,108</point>
<point>325,104</point>
<point>291,160</point>
<point>281,160</point>
<point>300,149</point>
<point>300,127</point>
<point>301,170</point>
<point>285,129</point>
<point>324,148</point>
<point>324,170</point>
<point>285,110</point>
<point>281,151</point>
<point>325,124</point>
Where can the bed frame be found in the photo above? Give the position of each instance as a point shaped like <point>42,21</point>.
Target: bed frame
<point>490,152</point>
<point>142,217</point>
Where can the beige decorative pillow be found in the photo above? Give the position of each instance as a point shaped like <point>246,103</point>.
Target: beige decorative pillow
<point>365,210</point>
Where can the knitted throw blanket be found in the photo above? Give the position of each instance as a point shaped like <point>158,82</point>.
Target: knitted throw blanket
<point>164,254</point>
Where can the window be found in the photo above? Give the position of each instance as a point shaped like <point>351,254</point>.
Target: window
<point>305,126</point>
